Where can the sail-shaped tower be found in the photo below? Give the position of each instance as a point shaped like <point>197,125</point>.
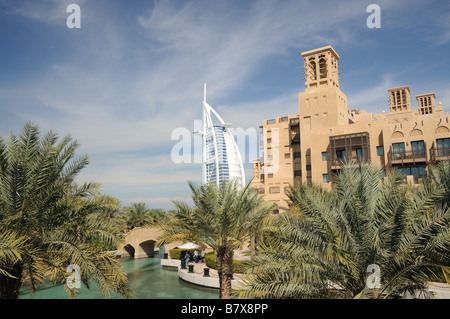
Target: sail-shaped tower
<point>221,157</point>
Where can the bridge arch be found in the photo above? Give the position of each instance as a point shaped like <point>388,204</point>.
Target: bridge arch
<point>140,242</point>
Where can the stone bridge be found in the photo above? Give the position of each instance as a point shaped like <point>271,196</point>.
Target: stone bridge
<point>140,242</point>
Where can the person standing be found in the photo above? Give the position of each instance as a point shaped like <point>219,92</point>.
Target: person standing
<point>187,257</point>
<point>196,256</point>
<point>203,255</point>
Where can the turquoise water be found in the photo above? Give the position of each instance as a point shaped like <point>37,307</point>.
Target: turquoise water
<point>147,278</point>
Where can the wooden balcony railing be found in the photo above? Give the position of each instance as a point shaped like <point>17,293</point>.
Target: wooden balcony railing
<point>408,157</point>
<point>336,162</point>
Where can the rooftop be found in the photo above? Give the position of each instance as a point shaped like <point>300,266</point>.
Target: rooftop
<point>322,49</point>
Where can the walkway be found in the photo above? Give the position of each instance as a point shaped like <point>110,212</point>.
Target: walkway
<point>197,276</point>
<point>198,269</point>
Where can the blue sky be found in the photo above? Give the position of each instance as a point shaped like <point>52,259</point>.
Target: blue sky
<point>135,70</point>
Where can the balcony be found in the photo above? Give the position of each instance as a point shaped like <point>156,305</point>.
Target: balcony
<point>346,148</point>
<point>295,139</point>
<point>336,162</point>
<point>408,157</point>
<point>439,153</point>
<point>443,153</point>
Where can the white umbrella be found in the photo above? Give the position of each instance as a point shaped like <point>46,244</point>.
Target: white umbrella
<point>189,246</point>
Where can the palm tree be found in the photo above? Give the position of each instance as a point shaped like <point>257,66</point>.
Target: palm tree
<point>330,241</point>
<point>47,221</point>
<point>262,224</point>
<point>156,214</point>
<point>440,174</point>
<point>221,218</point>
<point>138,215</point>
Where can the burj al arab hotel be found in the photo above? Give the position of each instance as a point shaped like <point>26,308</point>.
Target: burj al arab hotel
<point>221,157</point>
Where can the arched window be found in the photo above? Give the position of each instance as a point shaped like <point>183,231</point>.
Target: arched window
<point>323,68</point>
<point>312,70</point>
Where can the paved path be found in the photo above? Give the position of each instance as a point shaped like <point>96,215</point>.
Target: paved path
<point>198,269</point>
<point>238,255</point>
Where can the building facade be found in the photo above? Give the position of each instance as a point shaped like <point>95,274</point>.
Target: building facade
<point>313,144</point>
<point>221,158</point>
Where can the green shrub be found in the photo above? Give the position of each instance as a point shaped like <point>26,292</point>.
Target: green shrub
<point>178,253</point>
<point>210,260</point>
<point>239,266</point>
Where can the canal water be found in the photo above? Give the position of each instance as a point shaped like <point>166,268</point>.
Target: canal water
<point>147,278</point>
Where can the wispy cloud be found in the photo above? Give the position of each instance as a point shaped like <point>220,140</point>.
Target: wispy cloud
<point>373,99</point>
<point>224,44</point>
<point>443,36</point>
<point>138,169</point>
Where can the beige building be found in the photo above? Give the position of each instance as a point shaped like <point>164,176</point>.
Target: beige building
<point>311,145</point>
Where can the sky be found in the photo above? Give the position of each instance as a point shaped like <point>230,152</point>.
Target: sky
<point>133,73</point>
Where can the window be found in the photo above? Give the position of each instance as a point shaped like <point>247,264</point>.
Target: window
<point>422,171</point>
<point>324,156</point>
<point>274,190</point>
<point>340,155</point>
<point>418,148</point>
<point>416,171</point>
<point>398,150</point>
<point>380,151</point>
<point>270,175</point>
<point>443,146</point>
<point>323,68</point>
<point>325,178</point>
<point>308,167</point>
<point>312,70</point>
<point>287,155</point>
<point>359,154</point>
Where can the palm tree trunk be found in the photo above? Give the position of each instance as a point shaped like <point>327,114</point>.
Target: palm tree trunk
<point>9,287</point>
<point>224,261</point>
<point>252,246</point>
